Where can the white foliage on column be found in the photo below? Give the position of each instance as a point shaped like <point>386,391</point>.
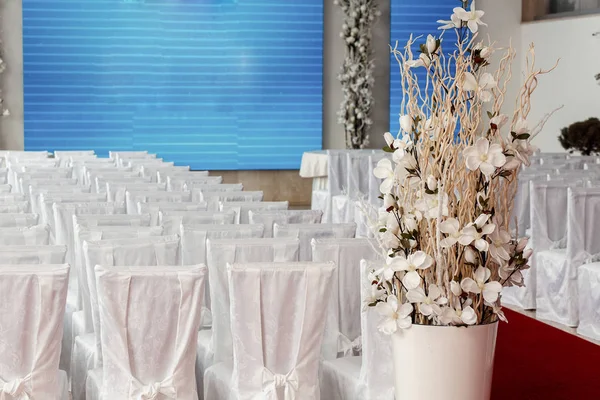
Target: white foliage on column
<point>3,108</point>
<point>356,74</point>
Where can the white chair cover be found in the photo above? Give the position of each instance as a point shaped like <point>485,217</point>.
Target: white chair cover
<point>198,188</point>
<point>280,359</point>
<point>588,286</point>
<point>557,296</point>
<point>213,199</point>
<point>33,306</point>
<point>215,346</point>
<point>181,173</point>
<point>153,171</point>
<point>83,338</point>
<point>116,190</point>
<point>366,377</point>
<point>159,250</point>
<point>21,220</point>
<point>32,254</point>
<point>16,207</point>
<point>548,235</point>
<point>35,194</point>
<point>270,217</point>
<point>148,342</point>
<point>242,209</point>
<point>5,188</point>
<point>8,198</point>
<point>342,333</point>
<point>153,208</point>
<point>307,232</point>
<point>172,220</point>
<point>35,235</point>
<point>94,220</point>
<point>115,155</point>
<point>132,198</point>
<point>47,200</point>
<point>186,182</point>
<point>99,182</point>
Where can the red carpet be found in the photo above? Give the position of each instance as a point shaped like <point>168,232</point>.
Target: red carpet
<point>535,361</point>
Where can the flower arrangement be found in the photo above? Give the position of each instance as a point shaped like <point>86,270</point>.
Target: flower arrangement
<point>356,75</point>
<point>449,187</point>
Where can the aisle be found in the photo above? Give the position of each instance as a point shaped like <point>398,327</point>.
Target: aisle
<point>535,361</point>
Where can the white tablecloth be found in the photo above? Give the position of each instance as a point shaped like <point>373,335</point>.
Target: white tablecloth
<point>314,164</point>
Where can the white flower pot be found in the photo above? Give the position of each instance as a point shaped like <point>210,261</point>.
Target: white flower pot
<point>444,363</point>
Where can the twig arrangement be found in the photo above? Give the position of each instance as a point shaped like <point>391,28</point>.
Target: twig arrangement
<point>356,74</point>
<point>449,188</point>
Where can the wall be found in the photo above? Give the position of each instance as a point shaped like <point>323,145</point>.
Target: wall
<point>333,57</point>
<point>572,84</point>
<point>11,127</point>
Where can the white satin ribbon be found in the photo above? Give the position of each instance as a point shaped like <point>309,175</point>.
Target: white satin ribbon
<point>271,382</point>
<point>347,346</point>
<point>559,244</point>
<point>17,389</point>
<point>592,258</point>
<point>139,391</point>
<point>206,317</point>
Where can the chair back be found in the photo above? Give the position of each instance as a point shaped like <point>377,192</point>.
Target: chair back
<point>242,209</point>
<point>21,220</point>
<point>307,232</point>
<point>213,199</point>
<point>270,217</point>
<point>32,254</point>
<point>36,235</point>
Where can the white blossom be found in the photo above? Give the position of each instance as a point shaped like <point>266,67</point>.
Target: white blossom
<point>484,157</point>
<point>430,205</point>
<point>490,290</point>
<point>453,23</point>
<point>499,246</point>
<point>395,316</point>
<point>482,88</point>
<point>429,304</point>
<point>471,17</point>
<point>450,227</point>
<point>388,270</point>
<point>385,171</point>
<point>412,264</point>
<point>475,232</point>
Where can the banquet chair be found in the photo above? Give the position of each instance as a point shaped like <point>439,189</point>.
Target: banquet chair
<point>307,232</point>
<point>73,153</point>
<point>241,209</point>
<point>588,288</point>
<point>148,342</point>
<point>31,317</point>
<point>21,220</point>
<point>115,191</point>
<point>270,217</point>
<point>47,201</point>
<point>8,198</point>
<point>215,345</point>
<point>3,173</point>
<point>153,171</point>
<point>99,181</point>
<point>133,197</point>
<point>548,200</point>
<point>155,250</point>
<point>280,359</point>
<point>172,220</point>
<point>36,235</point>
<point>521,217</point>
<point>5,188</point>
<point>35,193</point>
<point>18,207</point>
<point>139,154</point>
<point>163,176</point>
<point>44,254</point>
<point>342,332</point>
<point>557,295</point>
<point>370,375</point>
<point>213,199</point>
<point>321,198</point>
<point>187,182</point>
<point>93,220</point>
<point>154,207</point>
<point>82,331</point>
<point>198,188</point>
<point>357,188</point>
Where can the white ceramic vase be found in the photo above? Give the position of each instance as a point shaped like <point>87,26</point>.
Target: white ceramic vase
<point>444,363</point>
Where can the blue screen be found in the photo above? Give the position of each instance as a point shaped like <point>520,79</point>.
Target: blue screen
<point>214,84</point>
<point>418,18</point>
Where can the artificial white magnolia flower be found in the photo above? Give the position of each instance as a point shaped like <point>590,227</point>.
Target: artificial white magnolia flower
<point>482,88</point>
<point>431,44</point>
<point>512,163</point>
<point>432,183</point>
<point>410,222</point>
<point>471,17</point>
<point>429,304</point>
<point>401,146</point>
<point>459,315</point>
<point>484,157</point>
<point>490,290</point>
<point>388,201</point>
<point>388,270</point>
<point>455,22</point>
<point>413,263</point>
<point>385,170</point>
<point>390,240</point>
<point>496,309</point>
<point>499,245</point>
<point>474,233</point>
<point>471,256</point>
<point>497,122</point>
<point>406,123</point>
<point>392,225</point>
<point>395,316</point>
<point>455,288</point>
<point>423,61</point>
<point>521,127</point>
<point>430,205</point>
<point>510,275</point>
<point>450,227</point>
<point>372,294</point>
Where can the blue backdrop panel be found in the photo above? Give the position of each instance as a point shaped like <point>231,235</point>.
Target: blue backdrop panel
<point>419,18</point>
<point>215,84</point>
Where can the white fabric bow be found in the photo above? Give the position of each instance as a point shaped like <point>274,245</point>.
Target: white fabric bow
<point>559,244</point>
<point>18,389</point>
<point>346,346</point>
<point>271,382</point>
<point>592,258</point>
<point>151,391</point>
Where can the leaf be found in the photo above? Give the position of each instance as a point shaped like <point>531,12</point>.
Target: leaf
<point>523,136</point>
<point>406,236</point>
<point>382,230</point>
<point>388,149</point>
<point>490,115</point>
